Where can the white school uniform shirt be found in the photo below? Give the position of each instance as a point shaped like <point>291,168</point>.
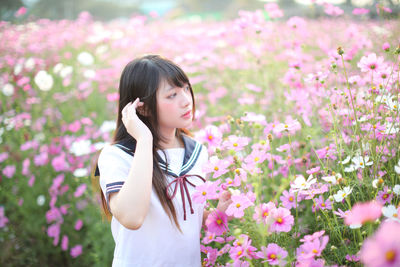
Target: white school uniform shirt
<point>157,242</point>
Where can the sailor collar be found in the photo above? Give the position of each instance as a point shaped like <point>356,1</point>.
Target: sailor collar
<point>192,153</point>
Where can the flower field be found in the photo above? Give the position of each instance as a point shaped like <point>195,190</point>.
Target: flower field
<point>300,118</point>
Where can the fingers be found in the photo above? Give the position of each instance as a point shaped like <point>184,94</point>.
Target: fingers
<point>128,107</point>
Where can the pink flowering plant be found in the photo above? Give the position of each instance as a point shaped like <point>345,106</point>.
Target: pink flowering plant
<point>303,136</point>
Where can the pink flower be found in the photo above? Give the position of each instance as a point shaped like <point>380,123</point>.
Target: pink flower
<point>282,220</point>
<point>212,237</point>
<point>76,251</point>
<point>217,222</point>
<point>25,166</point>
<point>217,166</point>
<point>371,63</point>
<point>352,258</point>
<point>332,10</point>
<point>360,11</point>
<point>54,231</point>
<point>3,156</point>
<point>363,212</point>
<point>242,247</point>
<point>41,159</point>
<point>80,190</point>
<point>289,199</point>
<point>207,190</point>
<point>309,238</point>
<point>383,248</point>
<point>9,171</point>
<point>78,225</point>
<point>273,10</point>
<point>3,218</point>
<point>255,157</point>
<point>59,163</point>
<point>211,135</point>
<point>74,127</point>
<point>313,248</point>
<point>20,12</point>
<point>273,254</point>
<point>262,211</point>
<point>212,254</point>
<point>386,46</point>
<point>64,243</point>
<point>236,143</point>
<point>239,204</point>
<point>321,204</point>
<point>384,197</point>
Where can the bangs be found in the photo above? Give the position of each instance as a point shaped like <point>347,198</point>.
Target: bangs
<point>172,74</point>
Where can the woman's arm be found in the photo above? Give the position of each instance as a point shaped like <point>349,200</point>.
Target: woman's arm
<point>131,204</point>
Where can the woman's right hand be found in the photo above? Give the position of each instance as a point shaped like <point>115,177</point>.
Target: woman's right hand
<point>134,126</point>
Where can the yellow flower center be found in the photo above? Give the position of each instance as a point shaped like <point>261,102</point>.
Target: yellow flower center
<point>279,220</point>
<point>216,168</point>
<point>210,237</point>
<point>235,144</point>
<point>323,205</point>
<point>286,126</point>
<point>361,164</point>
<point>315,251</point>
<point>344,194</point>
<point>229,182</point>
<point>395,215</point>
<point>210,137</point>
<point>291,199</point>
<point>265,214</point>
<point>237,171</point>
<point>256,159</point>
<point>374,126</point>
<point>239,253</point>
<point>390,255</point>
<point>204,193</point>
<point>385,196</point>
<point>272,256</point>
<point>380,181</point>
<point>238,205</point>
<point>219,221</point>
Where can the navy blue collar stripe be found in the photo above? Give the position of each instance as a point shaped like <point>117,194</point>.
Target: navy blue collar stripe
<point>192,158</point>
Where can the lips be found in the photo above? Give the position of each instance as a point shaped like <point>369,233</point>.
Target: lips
<point>187,113</point>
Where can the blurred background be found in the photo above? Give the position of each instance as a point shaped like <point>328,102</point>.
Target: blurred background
<point>206,9</point>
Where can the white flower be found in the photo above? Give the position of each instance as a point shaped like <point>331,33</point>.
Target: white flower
<point>29,63</point>
<point>80,148</point>
<point>89,74</point>
<point>376,181</point>
<point>101,49</point>
<point>44,80</point>
<point>81,172</point>
<point>391,213</point>
<point>108,126</point>
<point>40,200</point>
<point>332,179</point>
<point>355,226</point>
<point>346,160</point>
<point>361,162</point>
<point>100,145</point>
<point>85,58</point>
<point>396,189</point>
<point>341,194</point>
<point>18,68</point>
<point>57,68</point>
<point>397,167</point>
<point>351,168</point>
<point>300,183</point>
<point>382,98</point>
<point>65,71</point>
<point>393,104</point>
<point>391,128</point>
<point>8,89</point>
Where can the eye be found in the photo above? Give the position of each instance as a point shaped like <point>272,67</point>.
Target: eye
<point>187,88</point>
<point>171,96</point>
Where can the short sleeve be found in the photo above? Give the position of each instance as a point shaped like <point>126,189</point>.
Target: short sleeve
<point>114,165</point>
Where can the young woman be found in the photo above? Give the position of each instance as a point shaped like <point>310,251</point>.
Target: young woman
<point>149,172</point>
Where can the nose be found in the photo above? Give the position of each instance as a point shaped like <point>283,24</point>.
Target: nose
<point>187,99</point>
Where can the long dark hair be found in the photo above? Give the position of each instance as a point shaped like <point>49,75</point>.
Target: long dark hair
<point>140,79</point>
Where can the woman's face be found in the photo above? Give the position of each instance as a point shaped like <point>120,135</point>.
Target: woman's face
<point>174,106</point>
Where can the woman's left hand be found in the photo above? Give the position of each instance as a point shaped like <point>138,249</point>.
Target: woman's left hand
<point>224,202</point>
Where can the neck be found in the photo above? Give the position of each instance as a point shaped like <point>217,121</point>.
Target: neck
<point>170,139</point>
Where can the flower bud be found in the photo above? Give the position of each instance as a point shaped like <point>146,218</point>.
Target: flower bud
<point>333,247</point>
<point>386,47</point>
<point>340,50</point>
